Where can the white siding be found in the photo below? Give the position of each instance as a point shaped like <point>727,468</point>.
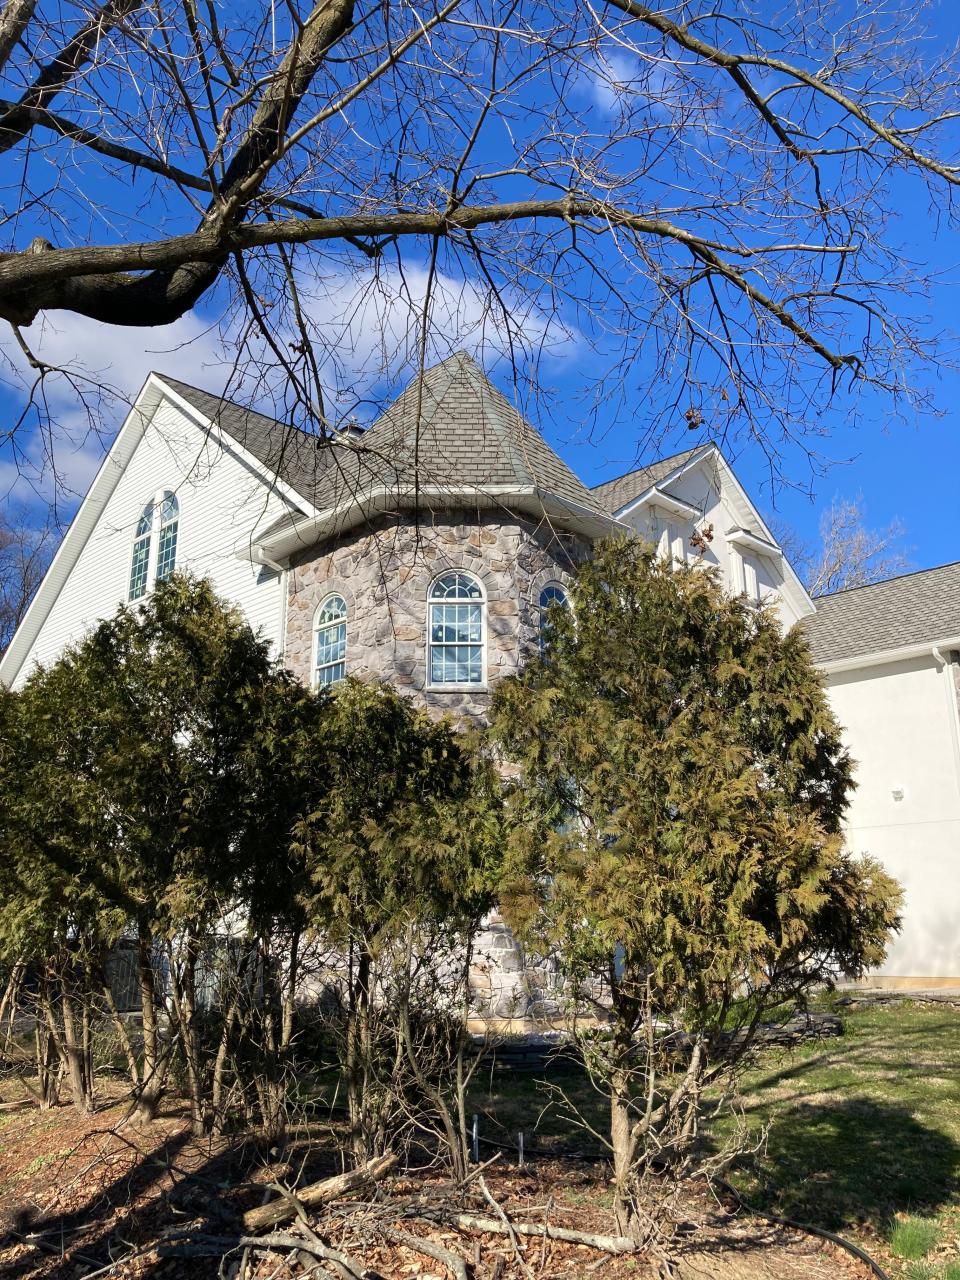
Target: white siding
<point>900,725</point>
<point>701,487</point>
<point>222,501</point>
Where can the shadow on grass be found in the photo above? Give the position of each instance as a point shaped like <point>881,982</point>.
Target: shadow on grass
<point>854,1160</point>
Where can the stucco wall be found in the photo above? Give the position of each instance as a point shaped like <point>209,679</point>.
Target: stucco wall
<point>901,727</point>
<point>384,573</point>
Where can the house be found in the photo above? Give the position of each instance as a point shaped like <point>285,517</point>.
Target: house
<point>426,549</point>
<point>891,656</point>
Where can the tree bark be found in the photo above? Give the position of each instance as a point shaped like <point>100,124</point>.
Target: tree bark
<point>151,1076</point>
<point>318,1193</point>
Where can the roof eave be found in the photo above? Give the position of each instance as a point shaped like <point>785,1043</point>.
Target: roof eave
<point>228,441</point>
<point>81,526</point>
<point>652,490</point>
<point>528,499</point>
<point>882,657</point>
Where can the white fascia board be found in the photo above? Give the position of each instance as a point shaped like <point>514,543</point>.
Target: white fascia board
<point>80,528</point>
<point>792,585</point>
<point>529,498</point>
<point>227,442</point>
<point>655,497</point>
<point>884,656</point>
<point>744,538</point>
<point>684,467</point>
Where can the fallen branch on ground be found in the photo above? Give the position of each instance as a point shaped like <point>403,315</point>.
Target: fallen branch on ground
<point>507,1226</point>
<point>317,1193</point>
<point>449,1259</point>
<point>198,1246</point>
<point>608,1244</point>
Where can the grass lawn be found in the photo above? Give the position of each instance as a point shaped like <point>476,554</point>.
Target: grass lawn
<point>864,1135</point>
<point>863,1132</point>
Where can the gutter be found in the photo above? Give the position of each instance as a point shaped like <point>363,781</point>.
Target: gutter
<point>656,497</point>
<point>744,538</point>
<point>532,500</point>
<point>884,656</point>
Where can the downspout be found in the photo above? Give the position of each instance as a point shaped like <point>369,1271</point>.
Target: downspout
<point>282,655</point>
<point>258,556</point>
<point>950,666</point>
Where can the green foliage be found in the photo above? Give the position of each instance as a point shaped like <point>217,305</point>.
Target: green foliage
<point>145,768</point>
<point>914,1238</point>
<point>407,823</point>
<point>695,780</point>
<point>688,864</point>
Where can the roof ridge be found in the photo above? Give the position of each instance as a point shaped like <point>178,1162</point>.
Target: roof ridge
<point>407,394</point>
<point>483,385</point>
<point>882,582</point>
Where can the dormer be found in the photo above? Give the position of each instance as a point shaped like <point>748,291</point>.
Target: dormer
<point>692,506</point>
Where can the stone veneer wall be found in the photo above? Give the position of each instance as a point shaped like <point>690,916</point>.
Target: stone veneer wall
<point>384,571</point>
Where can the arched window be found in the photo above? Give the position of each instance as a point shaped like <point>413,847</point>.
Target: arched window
<point>160,517</point>
<point>140,561</point>
<point>455,630</point>
<point>551,594</point>
<point>330,641</point>
<point>169,519</point>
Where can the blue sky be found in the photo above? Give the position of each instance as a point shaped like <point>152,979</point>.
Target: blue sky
<point>905,464</point>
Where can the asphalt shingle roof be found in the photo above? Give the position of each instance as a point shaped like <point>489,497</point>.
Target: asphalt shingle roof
<point>615,494</point>
<point>918,608</point>
<point>453,428</point>
<point>296,457</point>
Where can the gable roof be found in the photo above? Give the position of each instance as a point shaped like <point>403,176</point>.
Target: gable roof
<point>250,431</point>
<point>617,493</point>
<point>451,433</point>
<point>296,457</point>
<point>919,608</point>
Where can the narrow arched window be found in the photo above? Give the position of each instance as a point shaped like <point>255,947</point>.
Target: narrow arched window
<point>169,520</point>
<point>140,561</point>
<point>330,641</point>
<point>455,630</point>
<point>155,543</point>
<point>552,594</point>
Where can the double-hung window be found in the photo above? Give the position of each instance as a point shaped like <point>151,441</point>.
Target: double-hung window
<point>330,642</point>
<point>455,630</point>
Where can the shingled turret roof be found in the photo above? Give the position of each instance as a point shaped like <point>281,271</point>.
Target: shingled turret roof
<point>450,437</point>
<point>453,429</point>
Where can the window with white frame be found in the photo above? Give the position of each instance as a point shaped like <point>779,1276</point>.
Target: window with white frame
<point>552,594</point>
<point>154,555</point>
<point>455,630</point>
<point>330,642</point>
<point>169,523</point>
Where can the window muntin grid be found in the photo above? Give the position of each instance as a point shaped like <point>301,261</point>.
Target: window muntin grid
<point>330,642</point>
<point>140,560</point>
<point>167,547</point>
<point>455,630</point>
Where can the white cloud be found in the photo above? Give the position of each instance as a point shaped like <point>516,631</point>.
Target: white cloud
<point>366,330</point>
